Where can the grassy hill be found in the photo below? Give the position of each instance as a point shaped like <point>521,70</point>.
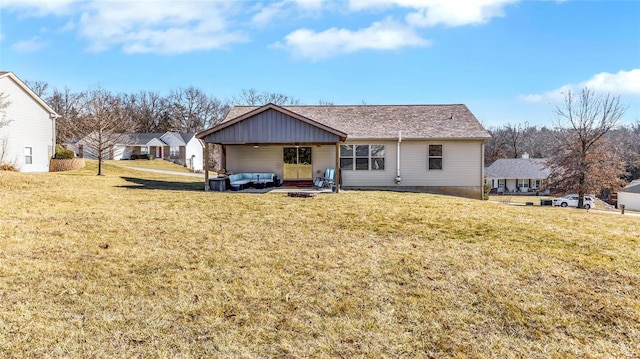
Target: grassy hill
<point>143,264</point>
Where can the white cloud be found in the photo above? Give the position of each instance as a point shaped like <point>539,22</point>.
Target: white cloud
<point>146,27</point>
<point>384,35</point>
<point>32,45</point>
<point>40,7</point>
<point>286,9</point>
<point>621,83</point>
<point>69,26</point>
<point>310,4</point>
<point>428,13</point>
<point>269,13</point>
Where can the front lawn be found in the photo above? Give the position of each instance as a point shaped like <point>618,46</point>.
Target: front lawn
<point>138,264</point>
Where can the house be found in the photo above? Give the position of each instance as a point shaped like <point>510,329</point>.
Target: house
<point>517,175</point>
<point>179,147</point>
<point>27,127</point>
<point>630,196</point>
<point>434,148</point>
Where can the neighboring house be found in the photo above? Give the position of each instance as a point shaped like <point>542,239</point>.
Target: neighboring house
<point>27,133</point>
<point>179,147</point>
<point>630,196</point>
<point>511,175</point>
<point>435,148</point>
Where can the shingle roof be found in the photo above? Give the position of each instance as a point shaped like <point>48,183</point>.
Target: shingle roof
<point>142,139</point>
<point>513,168</point>
<point>633,187</point>
<point>384,121</point>
<point>187,136</point>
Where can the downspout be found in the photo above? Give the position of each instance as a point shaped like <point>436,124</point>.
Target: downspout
<point>398,178</point>
<point>482,175</point>
<point>53,117</point>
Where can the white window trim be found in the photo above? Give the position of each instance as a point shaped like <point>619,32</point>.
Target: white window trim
<point>369,157</point>
<point>28,155</point>
<point>441,157</point>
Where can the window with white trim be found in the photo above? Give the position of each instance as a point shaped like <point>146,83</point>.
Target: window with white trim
<point>435,157</point>
<point>174,151</point>
<point>144,150</point>
<point>28,155</point>
<point>523,182</point>
<point>362,157</point>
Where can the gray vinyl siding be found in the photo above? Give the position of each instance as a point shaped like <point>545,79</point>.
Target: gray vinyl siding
<point>323,157</point>
<point>461,173</point>
<point>271,127</point>
<point>249,159</point>
<point>30,126</point>
<point>462,165</point>
<point>269,159</point>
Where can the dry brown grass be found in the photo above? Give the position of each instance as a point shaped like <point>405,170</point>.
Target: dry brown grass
<point>126,266</point>
<point>157,163</point>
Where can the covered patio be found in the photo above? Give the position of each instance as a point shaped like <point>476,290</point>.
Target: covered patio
<point>271,139</point>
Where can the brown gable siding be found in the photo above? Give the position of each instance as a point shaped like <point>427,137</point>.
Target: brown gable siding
<point>271,126</point>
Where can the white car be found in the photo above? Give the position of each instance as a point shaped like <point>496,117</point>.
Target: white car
<point>571,200</point>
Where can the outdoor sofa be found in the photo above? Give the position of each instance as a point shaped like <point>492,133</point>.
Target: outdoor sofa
<point>240,181</point>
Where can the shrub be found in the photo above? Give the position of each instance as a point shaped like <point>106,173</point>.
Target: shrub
<point>8,167</point>
<point>63,153</point>
<point>142,157</point>
<point>487,189</point>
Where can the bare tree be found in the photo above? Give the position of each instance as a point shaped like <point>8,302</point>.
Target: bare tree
<point>148,112</point>
<point>627,138</point>
<point>101,124</point>
<point>4,121</point>
<point>66,104</point>
<point>252,97</point>
<point>4,103</point>
<point>40,88</point>
<point>583,162</point>
<point>191,110</point>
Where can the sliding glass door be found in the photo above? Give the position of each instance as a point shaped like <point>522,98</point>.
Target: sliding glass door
<point>297,163</point>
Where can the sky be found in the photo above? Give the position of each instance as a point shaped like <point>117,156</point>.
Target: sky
<point>509,61</point>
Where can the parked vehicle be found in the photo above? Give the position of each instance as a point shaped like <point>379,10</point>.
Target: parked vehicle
<point>571,200</point>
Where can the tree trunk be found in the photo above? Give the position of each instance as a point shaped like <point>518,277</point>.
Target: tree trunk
<point>99,165</point>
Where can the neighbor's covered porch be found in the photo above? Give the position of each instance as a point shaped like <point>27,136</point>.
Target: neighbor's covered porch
<point>517,185</point>
<point>271,139</point>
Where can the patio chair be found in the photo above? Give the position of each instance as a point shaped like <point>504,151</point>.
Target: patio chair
<point>327,180</point>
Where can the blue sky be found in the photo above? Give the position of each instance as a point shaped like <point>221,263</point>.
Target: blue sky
<point>508,60</point>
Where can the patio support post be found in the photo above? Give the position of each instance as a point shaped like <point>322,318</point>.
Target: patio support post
<point>206,165</point>
<point>224,157</point>
<point>337,171</point>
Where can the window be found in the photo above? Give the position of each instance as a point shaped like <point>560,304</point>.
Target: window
<point>144,150</point>
<point>523,183</point>
<point>501,183</point>
<point>435,157</point>
<point>28,155</point>
<point>174,151</point>
<point>362,157</point>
